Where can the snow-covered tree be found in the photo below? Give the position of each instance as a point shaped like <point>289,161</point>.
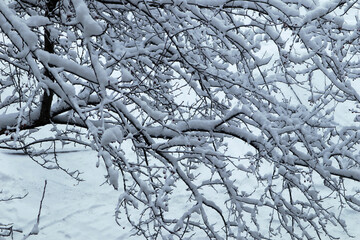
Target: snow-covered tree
<point>244,111</point>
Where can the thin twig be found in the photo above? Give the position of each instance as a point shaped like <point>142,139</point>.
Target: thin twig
<point>35,229</point>
<point>41,202</point>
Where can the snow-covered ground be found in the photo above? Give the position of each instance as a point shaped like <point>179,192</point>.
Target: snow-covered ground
<point>70,210</point>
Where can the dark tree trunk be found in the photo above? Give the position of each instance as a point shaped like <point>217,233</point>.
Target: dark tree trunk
<point>47,97</point>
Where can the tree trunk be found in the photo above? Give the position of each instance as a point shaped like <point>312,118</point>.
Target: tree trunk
<point>47,97</point>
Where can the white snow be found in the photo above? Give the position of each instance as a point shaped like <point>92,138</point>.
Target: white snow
<point>111,135</point>
<point>70,210</point>
<point>22,29</point>
<point>37,21</point>
<point>126,75</point>
<point>91,27</point>
<point>35,230</point>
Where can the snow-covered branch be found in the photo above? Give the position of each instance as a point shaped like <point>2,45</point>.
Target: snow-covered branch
<point>193,97</point>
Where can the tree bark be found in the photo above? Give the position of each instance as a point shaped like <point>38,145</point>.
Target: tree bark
<point>47,97</point>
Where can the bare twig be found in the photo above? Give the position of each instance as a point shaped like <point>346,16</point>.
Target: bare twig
<point>41,202</point>
<point>35,229</point>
